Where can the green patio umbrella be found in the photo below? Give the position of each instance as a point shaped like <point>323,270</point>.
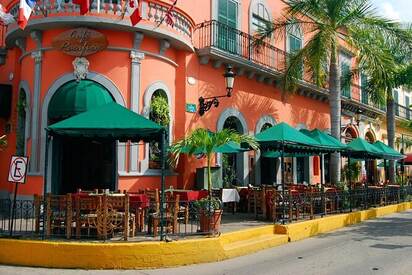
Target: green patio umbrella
<point>361,149</point>
<point>389,153</point>
<point>325,139</point>
<point>283,134</point>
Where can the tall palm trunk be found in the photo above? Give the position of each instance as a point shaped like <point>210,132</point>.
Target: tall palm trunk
<point>335,111</point>
<point>390,122</point>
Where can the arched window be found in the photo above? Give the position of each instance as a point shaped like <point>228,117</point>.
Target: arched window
<point>259,16</point>
<point>21,123</point>
<point>159,113</point>
<point>294,38</point>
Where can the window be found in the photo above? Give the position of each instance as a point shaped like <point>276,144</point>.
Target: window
<point>21,124</point>
<point>159,113</point>
<point>345,70</point>
<point>227,27</point>
<point>260,17</point>
<point>294,42</point>
<point>396,99</point>
<point>363,83</point>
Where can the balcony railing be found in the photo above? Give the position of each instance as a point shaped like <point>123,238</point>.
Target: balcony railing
<point>221,36</point>
<point>152,11</point>
<point>402,111</point>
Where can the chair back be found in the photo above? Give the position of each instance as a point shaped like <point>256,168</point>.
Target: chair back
<point>154,199</point>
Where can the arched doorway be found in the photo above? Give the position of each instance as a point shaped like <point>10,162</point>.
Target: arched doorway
<point>80,162</point>
<point>268,166</point>
<point>371,165</point>
<point>159,113</point>
<point>232,164</point>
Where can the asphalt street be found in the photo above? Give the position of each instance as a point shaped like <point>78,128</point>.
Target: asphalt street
<point>381,246</point>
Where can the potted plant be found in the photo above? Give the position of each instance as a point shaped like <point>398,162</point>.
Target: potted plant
<point>203,141</point>
<point>210,214</point>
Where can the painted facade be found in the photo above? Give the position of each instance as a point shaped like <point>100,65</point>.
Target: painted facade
<point>183,62</point>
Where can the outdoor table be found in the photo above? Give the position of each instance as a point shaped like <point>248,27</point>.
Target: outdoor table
<point>139,200</point>
<point>190,195</point>
<point>230,196</point>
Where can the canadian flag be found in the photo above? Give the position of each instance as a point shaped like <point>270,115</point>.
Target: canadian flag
<point>84,6</point>
<point>25,10</point>
<point>5,17</point>
<point>134,11</point>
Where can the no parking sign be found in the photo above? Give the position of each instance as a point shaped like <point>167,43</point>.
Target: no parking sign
<point>18,169</point>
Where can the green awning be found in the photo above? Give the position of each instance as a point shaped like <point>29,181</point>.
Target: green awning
<point>277,154</point>
<point>229,148</point>
<point>77,97</point>
<point>110,121</point>
<point>389,153</point>
<point>325,139</point>
<point>284,137</point>
<point>361,149</point>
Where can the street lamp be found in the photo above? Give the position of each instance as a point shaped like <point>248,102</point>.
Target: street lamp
<point>205,103</point>
<point>358,116</point>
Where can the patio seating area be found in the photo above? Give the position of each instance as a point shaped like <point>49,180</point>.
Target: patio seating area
<point>117,216</point>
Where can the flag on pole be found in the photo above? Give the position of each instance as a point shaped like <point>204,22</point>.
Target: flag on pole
<point>25,10</point>
<point>169,16</point>
<point>5,17</point>
<point>134,11</point>
<point>84,6</point>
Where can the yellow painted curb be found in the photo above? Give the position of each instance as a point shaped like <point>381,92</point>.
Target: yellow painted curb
<point>306,229</point>
<point>143,255</point>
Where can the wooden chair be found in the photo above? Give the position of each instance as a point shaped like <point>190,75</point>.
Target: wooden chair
<point>118,216</point>
<point>170,217</point>
<point>86,209</point>
<point>59,215</point>
<point>257,201</point>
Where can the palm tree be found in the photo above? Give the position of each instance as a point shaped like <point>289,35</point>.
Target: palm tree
<point>330,24</point>
<point>205,142</point>
<point>3,142</point>
<point>395,72</point>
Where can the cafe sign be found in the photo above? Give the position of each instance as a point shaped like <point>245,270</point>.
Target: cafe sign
<point>80,42</point>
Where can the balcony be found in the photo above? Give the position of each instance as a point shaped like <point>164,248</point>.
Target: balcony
<point>56,14</point>
<point>219,43</point>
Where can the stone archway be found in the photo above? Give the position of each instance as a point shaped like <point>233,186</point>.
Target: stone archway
<point>98,78</point>
<point>234,118</point>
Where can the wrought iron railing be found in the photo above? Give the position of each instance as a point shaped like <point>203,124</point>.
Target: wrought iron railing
<point>223,37</point>
<point>402,111</point>
<point>153,11</point>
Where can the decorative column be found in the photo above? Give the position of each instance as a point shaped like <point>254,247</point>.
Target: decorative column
<point>37,37</point>
<point>135,80</point>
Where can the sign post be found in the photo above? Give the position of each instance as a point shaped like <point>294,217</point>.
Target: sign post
<point>17,174</point>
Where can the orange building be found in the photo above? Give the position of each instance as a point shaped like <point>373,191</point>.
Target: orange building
<point>64,63</point>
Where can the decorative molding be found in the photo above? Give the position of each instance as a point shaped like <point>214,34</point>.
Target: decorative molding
<point>37,36</point>
<point>267,119</point>
<point>136,56</point>
<point>81,68</point>
<point>164,45</point>
<point>37,56</point>
<point>21,44</point>
<point>138,39</point>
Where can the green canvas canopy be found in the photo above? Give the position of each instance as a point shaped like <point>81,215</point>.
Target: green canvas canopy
<point>77,97</point>
<point>389,153</point>
<point>277,154</point>
<point>229,148</point>
<point>110,121</point>
<point>361,149</point>
<point>325,139</point>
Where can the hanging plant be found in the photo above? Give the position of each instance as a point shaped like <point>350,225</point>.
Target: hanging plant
<point>159,110</point>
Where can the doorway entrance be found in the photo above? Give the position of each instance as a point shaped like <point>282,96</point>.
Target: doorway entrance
<point>82,163</point>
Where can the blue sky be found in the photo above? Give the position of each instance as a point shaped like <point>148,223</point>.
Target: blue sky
<point>400,10</point>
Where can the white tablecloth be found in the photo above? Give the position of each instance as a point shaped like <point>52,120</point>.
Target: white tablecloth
<point>230,195</point>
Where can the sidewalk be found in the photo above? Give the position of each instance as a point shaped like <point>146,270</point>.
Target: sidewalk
<point>166,254</point>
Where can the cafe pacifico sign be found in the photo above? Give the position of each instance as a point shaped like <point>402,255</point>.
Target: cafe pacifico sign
<point>80,42</point>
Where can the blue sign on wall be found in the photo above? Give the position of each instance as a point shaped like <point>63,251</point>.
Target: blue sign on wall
<point>190,108</point>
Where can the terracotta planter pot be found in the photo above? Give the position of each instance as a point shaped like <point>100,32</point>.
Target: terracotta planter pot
<point>210,223</point>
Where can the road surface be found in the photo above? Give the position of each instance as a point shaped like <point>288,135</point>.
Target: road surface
<point>381,246</point>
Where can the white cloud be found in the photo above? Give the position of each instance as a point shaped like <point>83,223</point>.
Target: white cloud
<point>389,12</point>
